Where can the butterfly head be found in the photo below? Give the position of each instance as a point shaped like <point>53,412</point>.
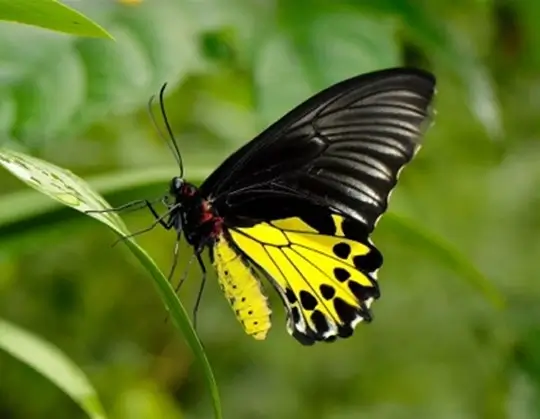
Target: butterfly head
<point>180,189</point>
<point>195,217</point>
<point>176,186</point>
<point>186,199</point>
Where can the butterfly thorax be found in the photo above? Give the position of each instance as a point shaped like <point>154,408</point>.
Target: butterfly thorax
<point>197,220</point>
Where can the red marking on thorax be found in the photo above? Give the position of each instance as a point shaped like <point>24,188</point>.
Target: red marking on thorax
<point>188,190</point>
<point>208,216</point>
<point>206,213</point>
<point>218,226</point>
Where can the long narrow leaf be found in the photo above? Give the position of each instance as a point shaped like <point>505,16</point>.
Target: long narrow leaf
<point>446,254</point>
<point>50,14</point>
<point>65,187</point>
<point>50,362</point>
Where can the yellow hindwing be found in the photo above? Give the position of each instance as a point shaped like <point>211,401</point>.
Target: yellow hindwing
<point>242,289</point>
<point>327,281</point>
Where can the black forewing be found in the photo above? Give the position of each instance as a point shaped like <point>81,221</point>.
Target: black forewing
<point>342,149</point>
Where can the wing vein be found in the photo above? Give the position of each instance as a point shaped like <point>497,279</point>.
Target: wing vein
<point>329,310</point>
<point>332,280</point>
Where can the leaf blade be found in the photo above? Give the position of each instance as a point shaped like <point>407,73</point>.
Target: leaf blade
<point>53,364</point>
<point>51,14</point>
<point>445,253</point>
<point>65,187</point>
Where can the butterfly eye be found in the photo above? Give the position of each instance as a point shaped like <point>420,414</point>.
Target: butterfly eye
<point>177,184</point>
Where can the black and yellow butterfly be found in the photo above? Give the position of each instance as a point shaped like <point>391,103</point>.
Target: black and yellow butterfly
<point>297,204</point>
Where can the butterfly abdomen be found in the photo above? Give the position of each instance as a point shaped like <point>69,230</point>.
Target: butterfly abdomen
<point>242,289</point>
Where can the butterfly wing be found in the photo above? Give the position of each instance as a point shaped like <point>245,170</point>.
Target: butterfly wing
<point>300,201</point>
<point>326,278</point>
<point>341,149</point>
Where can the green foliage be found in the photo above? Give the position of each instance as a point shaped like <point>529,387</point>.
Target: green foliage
<point>65,187</point>
<point>53,364</point>
<point>69,190</point>
<point>439,250</point>
<point>50,14</point>
<point>89,79</point>
<point>465,212</point>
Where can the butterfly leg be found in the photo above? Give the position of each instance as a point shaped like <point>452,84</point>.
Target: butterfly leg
<point>196,256</point>
<point>201,289</point>
<point>131,206</point>
<point>160,219</point>
<point>185,274</point>
<point>175,255</point>
<point>175,263</point>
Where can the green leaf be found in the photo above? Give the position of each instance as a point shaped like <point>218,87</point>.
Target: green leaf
<point>20,206</point>
<point>23,210</point>
<point>445,253</point>
<point>51,14</point>
<point>50,362</point>
<point>65,187</point>
<point>92,79</point>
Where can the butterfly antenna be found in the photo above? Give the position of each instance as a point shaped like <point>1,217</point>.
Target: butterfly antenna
<point>171,144</point>
<point>176,150</point>
<point>156,127</point>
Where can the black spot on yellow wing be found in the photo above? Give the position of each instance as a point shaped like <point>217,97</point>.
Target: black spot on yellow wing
<point>319,321</point>
<point>354,230</point>
<point>309,302</point>
<point>361,292</point>
<point>369,263</point>
<point>295,314</point>
<point>321,222</point>
<point>342,250</point>
<point>327,291</point>
<point>344,310</point>
<point>290,295</point>
<point>242,288</point>
<point>327,281</point>
<point>341,274</point>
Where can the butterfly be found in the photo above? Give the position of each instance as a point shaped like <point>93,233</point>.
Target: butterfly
<point>296,205</point>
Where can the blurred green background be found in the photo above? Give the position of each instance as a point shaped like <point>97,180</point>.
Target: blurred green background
<point>438,347</point>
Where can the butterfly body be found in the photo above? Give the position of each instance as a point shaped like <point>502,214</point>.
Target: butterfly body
<point>297,205</point>
<point>192,215</point>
